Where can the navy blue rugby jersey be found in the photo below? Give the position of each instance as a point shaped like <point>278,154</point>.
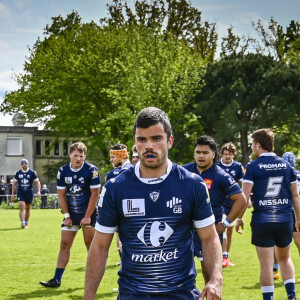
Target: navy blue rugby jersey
<point>78,183</point>
<point>155,218</point>
<point>236,171</point>
<point>219,185</point>
<point>116,171</point>
<point>25,179</point>
<point>271,177</point>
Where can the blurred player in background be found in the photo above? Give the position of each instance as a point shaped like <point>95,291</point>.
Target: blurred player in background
<point>235,170</point>
<point>24,178</point>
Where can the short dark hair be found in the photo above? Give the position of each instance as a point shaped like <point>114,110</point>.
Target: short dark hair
<point>118,147</point>
<point>265,137</point>
<point>150,116</point>
<point>228,147</point>
<point>209,141</point>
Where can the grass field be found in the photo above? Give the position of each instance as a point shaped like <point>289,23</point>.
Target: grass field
<point>29,255</point>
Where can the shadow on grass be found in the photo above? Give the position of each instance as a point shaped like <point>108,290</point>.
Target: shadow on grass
<point>55,292</point>
<point>82,269</point>
<point>11,229</point>
<point>256,285</point>
<point>44,292</point>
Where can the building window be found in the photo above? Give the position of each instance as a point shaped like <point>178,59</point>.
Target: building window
<point>47,147</point>
<point>66,148</point>
<point>56,149</point>
<point>14,146</point>
<point>38,147</point>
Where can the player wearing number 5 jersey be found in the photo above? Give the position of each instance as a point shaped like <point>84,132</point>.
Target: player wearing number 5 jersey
<point>275,192</point>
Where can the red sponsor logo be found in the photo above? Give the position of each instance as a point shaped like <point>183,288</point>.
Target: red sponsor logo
<point>208,182</point>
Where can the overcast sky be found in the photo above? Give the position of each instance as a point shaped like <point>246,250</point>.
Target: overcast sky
<point>23,21</point>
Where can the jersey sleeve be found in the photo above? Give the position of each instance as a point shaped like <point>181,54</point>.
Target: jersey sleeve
<point>202,212</point>
<point>95,178</point>
<point>230,186</point>
<point>16,177</point>
<point>60,182</point>
<point>241,173</point>
<point>248,177</point>
<point>107,220</point>
<point>34,176</point>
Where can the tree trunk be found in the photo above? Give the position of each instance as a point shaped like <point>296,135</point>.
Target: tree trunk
<point>245,147</point>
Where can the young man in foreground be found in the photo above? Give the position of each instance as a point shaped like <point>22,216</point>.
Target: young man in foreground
<point>155,206</point>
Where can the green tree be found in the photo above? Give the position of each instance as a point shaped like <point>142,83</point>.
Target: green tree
<point>245,92</point>
<point>90,81</point>
<point>177,17</point>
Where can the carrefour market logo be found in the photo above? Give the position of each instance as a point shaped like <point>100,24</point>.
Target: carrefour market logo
<point>160,232</point>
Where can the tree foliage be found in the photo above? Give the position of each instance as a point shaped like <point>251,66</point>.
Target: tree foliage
<point>177,17</point>
<point>91,81</point>
<point>245,92</point>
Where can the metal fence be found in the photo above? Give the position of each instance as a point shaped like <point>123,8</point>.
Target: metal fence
<point>51,202</point>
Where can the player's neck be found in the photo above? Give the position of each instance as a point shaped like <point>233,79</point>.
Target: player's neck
<point>146,172</point>
<point>226,163</point>
<point>202,169</point>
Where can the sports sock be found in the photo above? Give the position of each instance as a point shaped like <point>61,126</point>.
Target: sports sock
<point>58,274</point>
<point>225,254</point>
<point>26,222</point>
<point>275,267</point>
<point>267,292</point>
<point>290,288</point>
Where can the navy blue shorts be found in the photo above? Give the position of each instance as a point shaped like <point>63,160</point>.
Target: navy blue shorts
<point>192,294</point>
<point>278,234</point>
<point>26,196</point>
<point>77,217</point>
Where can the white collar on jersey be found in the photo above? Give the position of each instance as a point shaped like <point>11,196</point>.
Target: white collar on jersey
<point>268,154</point>
<point>152,180</point>
<point>76,170</point>
<point>226,165</point>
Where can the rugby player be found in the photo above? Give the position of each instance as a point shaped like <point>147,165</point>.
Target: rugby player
<point>155,206</point>
<point>273,182</point>
<point>78,185</point>
<point>235,170</point>
<point>119,159</point>
<point>220,185</point>
<point>25,178</point>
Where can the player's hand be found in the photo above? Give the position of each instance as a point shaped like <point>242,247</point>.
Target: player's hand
<point>211,292</point>
<point>249,204</point>
<point>38,194</point>
<point>239,223</point>
<point>68,222</point>
<point>220,227</point>
<point>85,221</point>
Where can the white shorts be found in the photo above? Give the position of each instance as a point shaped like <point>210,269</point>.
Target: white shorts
<point>74,227</point>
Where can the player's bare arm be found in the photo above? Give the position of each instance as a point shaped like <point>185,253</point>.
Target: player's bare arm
<point>212,254</point>
<point>239,207</point>
<point>96,263</point>
<point>64,205</point>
